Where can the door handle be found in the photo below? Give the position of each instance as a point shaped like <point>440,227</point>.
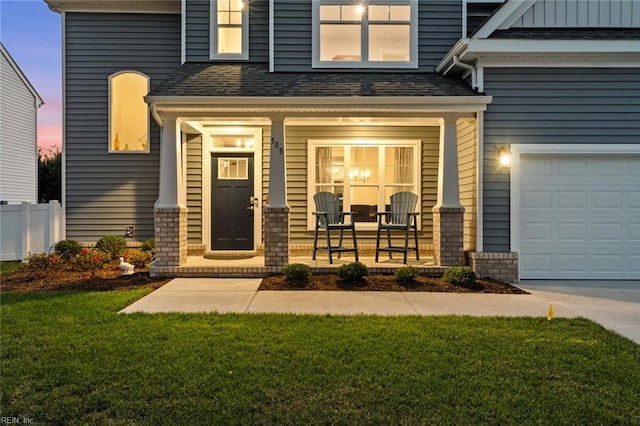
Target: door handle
<point>253,203</point>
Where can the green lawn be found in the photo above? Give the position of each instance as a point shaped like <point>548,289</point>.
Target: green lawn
<point>70,358</point>
<point>8,267</point>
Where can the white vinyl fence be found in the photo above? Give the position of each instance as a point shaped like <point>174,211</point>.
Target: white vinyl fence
<point>29,228</point>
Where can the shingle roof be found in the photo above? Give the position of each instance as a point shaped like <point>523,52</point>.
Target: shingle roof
<point>254,79</point>
<point>568,34</point>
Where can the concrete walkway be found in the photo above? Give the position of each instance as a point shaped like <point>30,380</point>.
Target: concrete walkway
<point>241,295</point>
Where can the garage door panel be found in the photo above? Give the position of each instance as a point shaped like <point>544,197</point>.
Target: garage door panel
<point>571,199</point>
<point>582,220</point>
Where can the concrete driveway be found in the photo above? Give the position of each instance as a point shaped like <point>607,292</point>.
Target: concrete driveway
<point>613,304</point>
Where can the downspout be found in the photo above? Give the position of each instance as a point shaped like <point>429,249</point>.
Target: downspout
<point>470,68</point>
<point>156,115</point>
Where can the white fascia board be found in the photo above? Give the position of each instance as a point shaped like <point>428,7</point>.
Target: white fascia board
<point>115,6</point>
<point>319,104</point>
<point>38,100</point>
<point>504,17</point>
<point>552,46</point>
<point>457,50</point>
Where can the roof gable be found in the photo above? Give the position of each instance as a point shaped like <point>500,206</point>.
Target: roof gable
<point>21,75</point>
<point>544,14</point>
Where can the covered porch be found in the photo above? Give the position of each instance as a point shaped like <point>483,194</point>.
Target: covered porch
<point>297,136</point>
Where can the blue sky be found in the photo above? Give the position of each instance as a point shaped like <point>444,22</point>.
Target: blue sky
<point>32,35</point>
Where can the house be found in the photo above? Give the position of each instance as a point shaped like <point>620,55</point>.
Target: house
<point>19,103</point>
<point>210,124</point>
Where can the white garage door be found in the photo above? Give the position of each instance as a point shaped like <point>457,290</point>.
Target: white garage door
<point>579,216</point>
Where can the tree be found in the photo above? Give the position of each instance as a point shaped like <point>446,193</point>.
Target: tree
<point>49,175</point>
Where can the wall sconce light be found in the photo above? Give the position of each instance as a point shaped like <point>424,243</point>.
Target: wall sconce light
<point>504,156</point>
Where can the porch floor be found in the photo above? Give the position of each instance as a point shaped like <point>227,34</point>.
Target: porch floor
<point>198,266</point>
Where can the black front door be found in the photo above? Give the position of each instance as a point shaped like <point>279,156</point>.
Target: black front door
<point>232,214</point>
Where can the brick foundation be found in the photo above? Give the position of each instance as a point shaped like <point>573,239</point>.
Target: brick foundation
<point>171,236</point>
<point>499,266</point>
<point>448,236</point>
<point>276,236</point>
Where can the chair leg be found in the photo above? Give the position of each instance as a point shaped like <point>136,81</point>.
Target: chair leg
<point>377,242</point>
<point>329,246</point>
<point>355,243</point>
<point>406,243</point>
<point>415,233</point>
<point>315,243</point>
<point>340,243</point>
<point>389,243</point>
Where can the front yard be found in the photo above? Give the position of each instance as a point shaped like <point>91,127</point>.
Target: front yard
<point>70,358</point>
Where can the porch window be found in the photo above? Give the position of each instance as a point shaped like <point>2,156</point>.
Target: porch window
<point>363,173</point>
<point>365,34</point>
<point>230,29</point>
<point>128,113</point>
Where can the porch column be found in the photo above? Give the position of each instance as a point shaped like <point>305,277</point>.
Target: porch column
<point>170,215</point>
<point>276,212</point>
<point>448,213</point>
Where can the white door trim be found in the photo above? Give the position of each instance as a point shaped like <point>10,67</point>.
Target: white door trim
<point>207,150</point>
<point>519,149</point>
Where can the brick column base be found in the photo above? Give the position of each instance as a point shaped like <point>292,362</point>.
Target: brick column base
<point>448,236</point>
<point>499,266</point>
<point>276,236</point>
<point>171,236</point>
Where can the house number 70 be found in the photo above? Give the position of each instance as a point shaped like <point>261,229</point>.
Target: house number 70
<point>275,144</point>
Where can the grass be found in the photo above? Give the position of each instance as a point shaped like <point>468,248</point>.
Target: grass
<point>7,268</point>
<point>69,358</point>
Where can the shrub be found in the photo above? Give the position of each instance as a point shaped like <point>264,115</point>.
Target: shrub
<point>149,246</point>
<point>40,263</point>
<point>92,259</point>
<point>406,274</point>
<point>137,258</point>
<point>297,272</point>
<point>353,272</point>
<point>67,249</point>
<point>460,275</point>
<point>113,245</point>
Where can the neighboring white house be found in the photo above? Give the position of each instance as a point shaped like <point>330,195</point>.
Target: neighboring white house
<point>19,103</point>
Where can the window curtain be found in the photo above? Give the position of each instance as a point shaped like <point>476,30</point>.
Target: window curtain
<point>323,160</point>
<point>403,165</point>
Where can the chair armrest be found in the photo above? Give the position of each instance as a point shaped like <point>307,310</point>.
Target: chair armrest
<point>320,213</point>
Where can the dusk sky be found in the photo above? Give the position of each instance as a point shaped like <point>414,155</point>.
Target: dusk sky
<point>31,33</point>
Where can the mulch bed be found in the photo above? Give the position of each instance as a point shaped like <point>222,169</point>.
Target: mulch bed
<point>111,278</point>
<point>387,283</point>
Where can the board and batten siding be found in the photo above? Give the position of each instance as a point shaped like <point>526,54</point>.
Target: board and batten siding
<point>439,28</point>
<point>550,106</point>
<point>18,138</point>
<point>297,172</point>
<point>581,13</point>
<point>106,193</point>
<point>467,150</point>
<point>198,30</point>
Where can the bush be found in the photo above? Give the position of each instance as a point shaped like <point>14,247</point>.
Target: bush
<point>460,275</point>
<point>406,274</point>
<point>149,246</point>
<point>137,258</point>
<point>297,272</point>
<point>40,263</point>
<point>92,259</point>
<point>353,272</point>
<point>67,249</point>
<point>113,245</point>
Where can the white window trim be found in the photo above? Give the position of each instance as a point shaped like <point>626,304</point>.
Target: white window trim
<point>213,32</point>
<point>413,42</point>
<point>312,144</point>
<point>207,150</point>
<point>110,150</point>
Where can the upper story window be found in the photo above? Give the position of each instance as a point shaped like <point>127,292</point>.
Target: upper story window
<point>128,112</point>
<point>229,29</point>
<point>365,34</point>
